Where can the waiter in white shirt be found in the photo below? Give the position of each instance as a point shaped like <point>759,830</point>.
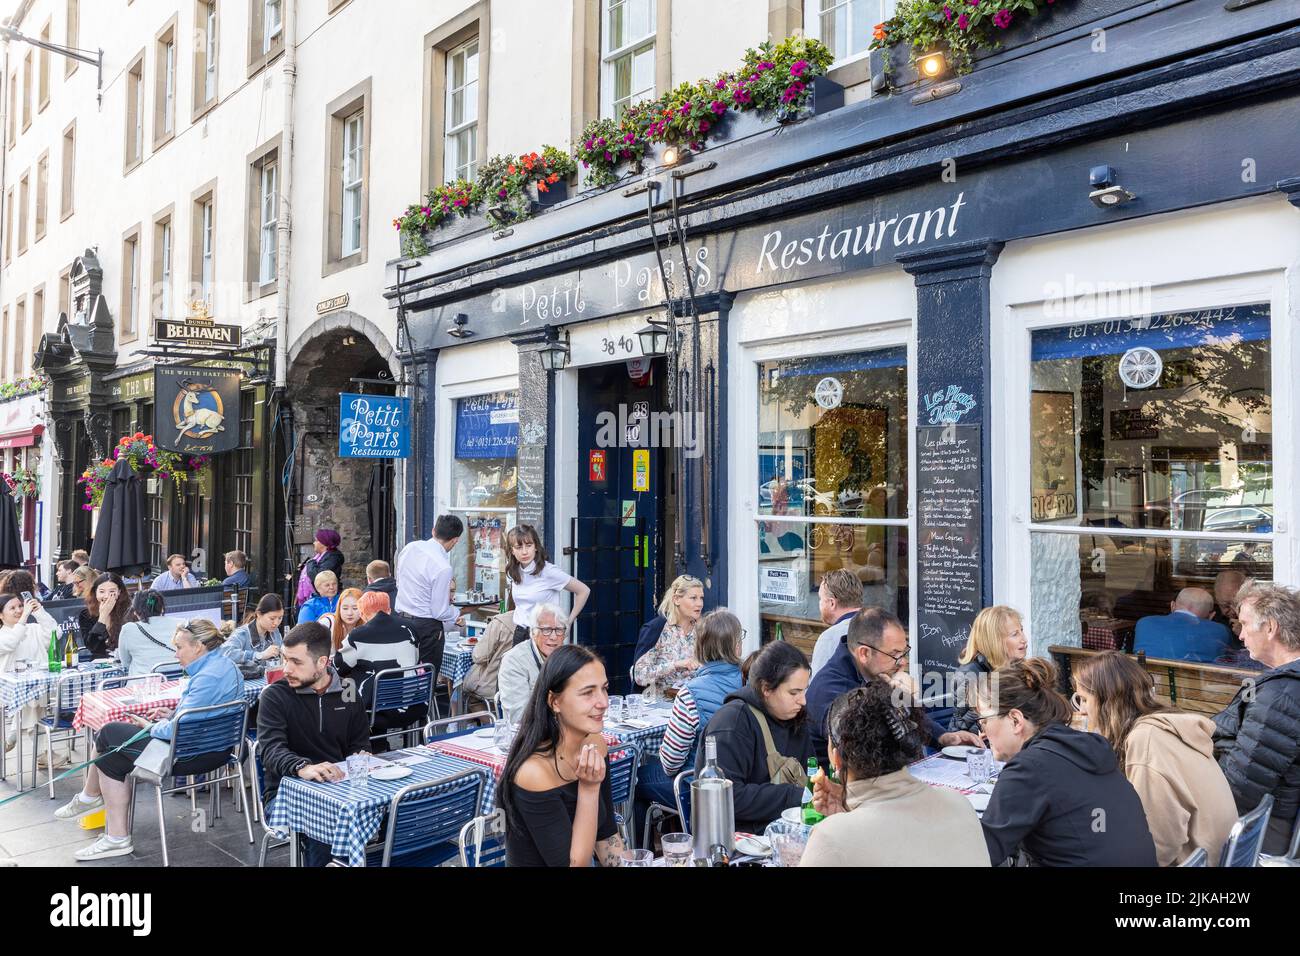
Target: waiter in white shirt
<point>424,588</point>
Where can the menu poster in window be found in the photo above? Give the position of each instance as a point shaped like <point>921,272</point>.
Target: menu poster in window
<point>1053,463</point>
<point>487,426</point>
<point>778,585</point>
<point>950,511</point>
<point>531,485</point>
<point>782,474</point>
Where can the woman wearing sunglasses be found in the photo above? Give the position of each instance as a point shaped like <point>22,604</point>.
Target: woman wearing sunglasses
<point>1062,799</point>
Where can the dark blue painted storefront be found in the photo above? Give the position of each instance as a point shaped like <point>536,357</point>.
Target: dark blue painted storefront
<point>1194,106</point>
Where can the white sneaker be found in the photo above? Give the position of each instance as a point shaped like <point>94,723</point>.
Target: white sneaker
<point>103,848</point>
<point>76,807</point>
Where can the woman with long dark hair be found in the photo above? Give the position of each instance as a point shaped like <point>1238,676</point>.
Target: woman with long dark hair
<point>100,622</point>
<point>534,580</point>
<point>259,637</point>
<point>146,639</point>
<point>555,787</point>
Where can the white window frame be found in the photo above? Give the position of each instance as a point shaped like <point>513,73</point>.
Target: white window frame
<point>165,269</point>
<point>133,288</point>
<point>205,268</point>
<point>169,87</point>
<point>882,11</point>
<point>456,166</point>
<point>138,81</point>
<point>267,195</point>
<point>353,173</point>
<point>272,23</point>
<point>1012,496</point>
<point>610,57</point>
<point>210,55</point>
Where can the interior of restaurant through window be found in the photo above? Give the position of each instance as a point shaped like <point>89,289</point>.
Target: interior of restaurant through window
<point>832,446</point>
<point>1160,423</point>
<point>483,489</point>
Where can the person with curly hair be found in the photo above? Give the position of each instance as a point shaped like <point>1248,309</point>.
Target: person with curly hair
<point>893,819</point>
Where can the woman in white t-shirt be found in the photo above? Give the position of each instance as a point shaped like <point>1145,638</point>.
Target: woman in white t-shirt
<point>534,580</point>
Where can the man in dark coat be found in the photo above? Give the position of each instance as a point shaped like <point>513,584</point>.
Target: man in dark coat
<point>379,577</point>
<point>1257,737</point>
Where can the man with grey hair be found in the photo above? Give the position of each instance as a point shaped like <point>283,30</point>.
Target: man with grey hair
<point>838,598</point>
<point>1186,633</point>
<point>1257,737</point>
<point>523,662</point>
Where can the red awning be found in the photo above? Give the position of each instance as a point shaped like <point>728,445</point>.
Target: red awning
<point>22,439</point>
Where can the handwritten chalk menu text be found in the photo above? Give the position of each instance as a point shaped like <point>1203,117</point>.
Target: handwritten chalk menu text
<point>949,502</point>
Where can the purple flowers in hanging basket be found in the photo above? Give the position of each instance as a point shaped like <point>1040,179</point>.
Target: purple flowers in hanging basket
<point>792,92</point>
<point>1002,19</point>
<point>718,107</point>
<point>798,68</point>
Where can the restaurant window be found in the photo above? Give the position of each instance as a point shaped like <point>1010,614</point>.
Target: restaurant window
<point>483,476</point>
<point>460,148</point>
<point>134,114</point>
<point>627,54</point>
<point>164,94</point>
<point>242,517</point>
<point>1151,469</point>
<point>832,484</point>
<point>845,26</point>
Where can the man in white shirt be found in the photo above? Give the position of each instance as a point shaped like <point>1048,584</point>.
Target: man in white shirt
<point>838,598</point>
<point>424,588</point>
<point>523,662</point>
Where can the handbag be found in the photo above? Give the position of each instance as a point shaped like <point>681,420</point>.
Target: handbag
<point>155,760</point>
<point>780,768</point>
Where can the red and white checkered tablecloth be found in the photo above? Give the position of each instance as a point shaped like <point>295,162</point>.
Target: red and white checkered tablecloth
<point>108,706</point>
<point>489,757</point>
<point>1106,634</point>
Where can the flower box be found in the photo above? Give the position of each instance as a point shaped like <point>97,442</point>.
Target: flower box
<point>826,95</point>
<point>555,194</point>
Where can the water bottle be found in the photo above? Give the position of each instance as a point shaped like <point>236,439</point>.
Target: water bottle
<point>56,662</point>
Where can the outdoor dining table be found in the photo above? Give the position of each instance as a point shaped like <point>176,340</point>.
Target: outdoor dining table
<point>940,771</point>
<point>348,817</point>
<point>109,706</point>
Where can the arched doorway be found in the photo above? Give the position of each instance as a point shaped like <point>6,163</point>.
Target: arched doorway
<point>355,496</point>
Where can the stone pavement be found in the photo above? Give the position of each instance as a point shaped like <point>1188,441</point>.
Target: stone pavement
<point>30,836</point>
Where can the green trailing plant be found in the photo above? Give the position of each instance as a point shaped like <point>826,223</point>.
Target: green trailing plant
<point>779,77</point>
<point>960,28</point>
<point>23,482</point>
<point>459,198</point>
<point>605,144</point>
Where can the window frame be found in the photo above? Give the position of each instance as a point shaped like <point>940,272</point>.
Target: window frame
<point>43,70</point>
<point>35,322</point>
<point>133,151</point>
<point>68,171</point>
<point>339,113</point>
<point>610,57</point>
<point>165,62</point>
<point>24,200</point>
<point>128,324</point>
<point>42,211</point>
<point>19,333</point>
<point>28,68</point>
<point>9,226</point>
<point>450,172</point>
<point>263,49</point>
<point>203,243</point>
<point>812,25</point>
<point>207,57</point>
<point>268,153</point>
<point>471,23</point>
<point>71,35</point>
<point>162,298</point>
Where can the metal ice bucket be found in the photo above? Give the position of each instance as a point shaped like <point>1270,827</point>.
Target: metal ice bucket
<point>713,817</point>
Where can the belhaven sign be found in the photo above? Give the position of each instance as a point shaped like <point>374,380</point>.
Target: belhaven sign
<point>195,330</point>
<point>196,410</point>
<point>374,426</point>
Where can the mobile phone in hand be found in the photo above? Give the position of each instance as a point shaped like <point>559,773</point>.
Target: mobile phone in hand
<point>27,596</point>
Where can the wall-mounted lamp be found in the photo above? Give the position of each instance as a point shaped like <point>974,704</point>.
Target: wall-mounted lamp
<point>459,328</point>
<point>349,340</point>
<point>555,354</point>
<point>501,216</point>
<point>1105,191</point>
<point>654,337</point>
<point>932,65</point>
<point>674,155</point>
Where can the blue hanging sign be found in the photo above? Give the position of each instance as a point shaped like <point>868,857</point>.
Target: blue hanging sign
<point>374,426</point>
<point>487,426</point>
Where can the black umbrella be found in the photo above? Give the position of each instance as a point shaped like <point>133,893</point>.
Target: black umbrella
<point>120,542</point>
<point>11,544</point>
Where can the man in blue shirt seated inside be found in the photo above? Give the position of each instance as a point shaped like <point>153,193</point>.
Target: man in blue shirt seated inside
<point>236,575</point>
<point>1186,633</point>
<point>176,577</point>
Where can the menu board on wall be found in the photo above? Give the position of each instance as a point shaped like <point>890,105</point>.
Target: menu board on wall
<point>530,503</point>
<point>950,510</point>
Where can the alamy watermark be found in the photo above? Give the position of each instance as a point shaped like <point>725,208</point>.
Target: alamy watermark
<point>636,426</point>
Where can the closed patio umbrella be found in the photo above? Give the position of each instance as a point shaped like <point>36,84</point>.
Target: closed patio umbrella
<point>11,544</point>
<point>120,542</point>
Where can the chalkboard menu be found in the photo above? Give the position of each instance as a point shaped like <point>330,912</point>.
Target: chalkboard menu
<point>530,501</point>
<point>950,507</point>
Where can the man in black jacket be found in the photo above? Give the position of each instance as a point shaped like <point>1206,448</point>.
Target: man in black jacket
<point>306,723</point>
<point>381,642</point>
<point>1257,737</point>
<point>379,577</point>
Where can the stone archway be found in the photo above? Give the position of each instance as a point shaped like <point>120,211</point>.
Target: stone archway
<point>355,497</point>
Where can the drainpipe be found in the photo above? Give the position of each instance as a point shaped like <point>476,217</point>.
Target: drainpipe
<point>284,226</point>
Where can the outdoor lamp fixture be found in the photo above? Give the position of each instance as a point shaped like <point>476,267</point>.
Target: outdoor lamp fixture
<point>555,353</point>
<point>673,155</point>
<point>501,216</point>
<point>932,65</point>
<point>1105,192</point>
<point>350,340</point>
<point>654,337</point>
<point>459,327</point>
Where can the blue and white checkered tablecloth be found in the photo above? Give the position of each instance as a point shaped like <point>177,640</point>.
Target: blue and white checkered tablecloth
<point>457,659</point>
<point>253,688</point>
<point>648,737</point>
<point>19,689</point>
<point>348,818</point>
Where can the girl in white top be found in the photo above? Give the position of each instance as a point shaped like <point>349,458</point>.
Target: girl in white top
<point>23,639</point>
<point>534,580</point>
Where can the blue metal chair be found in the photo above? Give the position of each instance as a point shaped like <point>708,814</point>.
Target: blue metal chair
<point>212,739</point>
<point>1247,836</point>
<point>444,727</point>
<point>623,761</point>
<point>483,840</point>
<point>398,688</point>
<point>1292,855</point>
<point>1198,859</point>
<point>269,836</point>
<point>425,820</point>
<point>658,812</point>
<point>172,670</point>
<point>682,790</point>
<point>57,725</point>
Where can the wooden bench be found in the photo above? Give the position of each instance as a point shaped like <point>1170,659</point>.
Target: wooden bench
<point>1189,685</point>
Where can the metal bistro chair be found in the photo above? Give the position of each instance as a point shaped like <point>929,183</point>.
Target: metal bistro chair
<point>1199,858</point>
<point>445,727</point>
<point>217,733</point>
<point>270,837</point>
<point>425,820</point>
<point>1247,836</point>
<point>57,725</point>
<point>483,840</point>
<point>623,761</point>
<point>658,812</point>
<point>1292,856</point>
<point>397,688</point>
<point>171,670</point>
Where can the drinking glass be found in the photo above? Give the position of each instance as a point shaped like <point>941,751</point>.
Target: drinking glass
<point>635,706</point>
<point>615,712</point>
<point>650,695</point>
<point>359,770</point>
<point>979,766</point>
<point>788,841</point>
<point>678,849</point>
<point>637,857</point>
<point>503,736</point>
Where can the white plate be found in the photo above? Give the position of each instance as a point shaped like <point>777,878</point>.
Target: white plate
<point>391,772</point>
<point>753,846</point>
<point>980,801</point>
<point>960,752</point>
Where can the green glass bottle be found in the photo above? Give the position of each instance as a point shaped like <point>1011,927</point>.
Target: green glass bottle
<point>810,814</point>
<point>56,663</point>
<point>779,635</point>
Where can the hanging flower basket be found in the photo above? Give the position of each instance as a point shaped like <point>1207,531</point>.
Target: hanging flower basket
<point>145,458</point>
<point>23,483</point>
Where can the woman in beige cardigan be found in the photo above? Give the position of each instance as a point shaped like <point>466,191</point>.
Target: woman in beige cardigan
<point>893,819</point>
<point>480,684</point>
<point>1167,754</point>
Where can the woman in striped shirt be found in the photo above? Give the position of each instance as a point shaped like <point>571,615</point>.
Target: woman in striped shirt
<point>717,648</point>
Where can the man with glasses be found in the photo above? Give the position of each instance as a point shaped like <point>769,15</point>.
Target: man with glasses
<point>523,662</point>
<point>875,646</point>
